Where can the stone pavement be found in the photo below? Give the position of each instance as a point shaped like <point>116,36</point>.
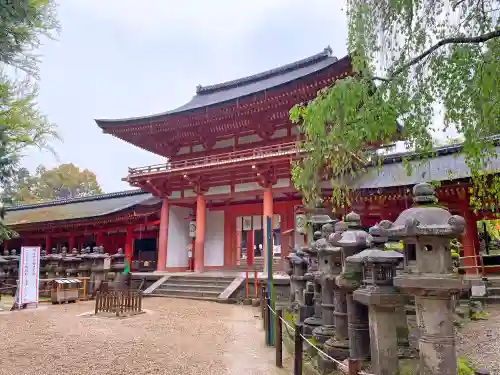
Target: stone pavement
<point>174,337</point>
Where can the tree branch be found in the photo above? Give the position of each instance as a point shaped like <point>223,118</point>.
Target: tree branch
<point>452,40</point>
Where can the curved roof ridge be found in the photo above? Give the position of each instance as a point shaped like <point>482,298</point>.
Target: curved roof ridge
<point>327,52</point>
<point>58,202</point>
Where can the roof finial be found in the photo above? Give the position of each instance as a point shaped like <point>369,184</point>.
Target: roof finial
<point>328,50</point>
<point>198,88</point>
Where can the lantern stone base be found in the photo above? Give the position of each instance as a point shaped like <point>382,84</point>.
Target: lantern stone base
<point>305,312</point>
<point>310,324</point>
<point>325,365</point>
<point>338,349</point>
<point>323,333</point>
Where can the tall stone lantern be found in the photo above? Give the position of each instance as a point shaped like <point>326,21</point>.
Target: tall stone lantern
<point>330,266</point>
<point>434,284</point>
<point>351,241</point>
<point>382,299</point>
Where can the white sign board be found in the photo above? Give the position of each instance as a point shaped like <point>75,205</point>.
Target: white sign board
<point>29,271</point>
<point>192,229</point>
<point>107,263</point>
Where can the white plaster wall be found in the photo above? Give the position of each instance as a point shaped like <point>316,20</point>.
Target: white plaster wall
<point>178,236</point>
<point>214,239</point>
<point>299,240</point>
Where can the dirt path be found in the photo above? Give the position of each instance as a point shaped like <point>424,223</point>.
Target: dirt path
<point>479,341</point>
<point>174,337</point>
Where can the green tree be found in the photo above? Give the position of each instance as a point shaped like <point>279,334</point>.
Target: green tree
<point>19,188</point>
<point>63,182</point>
<point>411,59</point>
<point>22,124</point>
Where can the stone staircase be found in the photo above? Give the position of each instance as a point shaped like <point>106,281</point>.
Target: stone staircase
<point>259,264</point>
<point>194,287</point>
<point>493,290</point>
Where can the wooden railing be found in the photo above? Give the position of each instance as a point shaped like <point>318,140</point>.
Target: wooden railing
<point>283,149</point>
<point>118,303</point>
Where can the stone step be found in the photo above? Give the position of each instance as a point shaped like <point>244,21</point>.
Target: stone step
<point>199,280</point>
<point>493,300</point>
<point>206,287</point>
<point>494,291</point>
<point>169,291</point>
<point>210,299</point>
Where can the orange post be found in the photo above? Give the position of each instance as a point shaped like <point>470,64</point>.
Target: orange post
<point>161,262</point>
<point>199,242</point>
<point>268,212</point>
<point>256,282</point>
<point>247,287</point>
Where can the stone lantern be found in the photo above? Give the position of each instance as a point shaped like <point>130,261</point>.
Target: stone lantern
<point>117,267</point>
<point>382,299</point>
<point>97,270</point>
<point>3,269</point>
<point>86,264</point>
<point>330,265</point>
<point>71,263</point>
<point>313,276</point>
<point>351,241</point>
<point>434,284</point>
<point>299,281</point>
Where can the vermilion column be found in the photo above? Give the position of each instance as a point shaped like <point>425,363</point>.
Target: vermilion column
<point>71,244</point>
<point>199,242</point>
<point>99,241</point>
<point>48,244</point>
<point>250,250</point>
<point>129,244</point>
<point>161,262</point>
<point>268,212</point>
<point>468,243</point>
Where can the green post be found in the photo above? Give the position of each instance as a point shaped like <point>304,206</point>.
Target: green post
<point>270,282</point>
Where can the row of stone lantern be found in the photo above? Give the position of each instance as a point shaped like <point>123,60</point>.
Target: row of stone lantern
<point>362,297</point>
<point>92,264</point>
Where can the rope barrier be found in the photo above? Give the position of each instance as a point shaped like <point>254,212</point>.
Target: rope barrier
<point>338,363</point>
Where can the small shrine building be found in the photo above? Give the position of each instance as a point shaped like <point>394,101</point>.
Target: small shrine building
<point>227,166</point>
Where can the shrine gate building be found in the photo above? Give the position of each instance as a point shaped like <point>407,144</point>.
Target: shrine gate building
<point>228,153</point>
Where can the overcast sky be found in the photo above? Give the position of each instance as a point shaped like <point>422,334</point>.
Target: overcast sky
<point>116,58</point>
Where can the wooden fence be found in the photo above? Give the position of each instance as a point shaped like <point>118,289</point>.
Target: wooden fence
<point>119,303</point>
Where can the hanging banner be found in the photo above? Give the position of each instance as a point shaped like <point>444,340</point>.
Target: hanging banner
<point>192,229</point>
<point>300,223</point>
<point>29,271</point>
<point>276,221</point>
<point>247,223</point>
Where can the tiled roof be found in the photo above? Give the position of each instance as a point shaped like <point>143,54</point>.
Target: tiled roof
<point>448,164</point>
<point>231,90</point>
<point>78,208</point>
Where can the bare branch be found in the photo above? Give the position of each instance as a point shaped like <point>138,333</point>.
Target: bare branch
<point>454,6</point>
<point>453,40</point>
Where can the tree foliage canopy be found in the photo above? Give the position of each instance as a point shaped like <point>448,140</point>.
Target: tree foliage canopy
<point>63,182</point>
<point>22,124</point>
<point>425,64</point>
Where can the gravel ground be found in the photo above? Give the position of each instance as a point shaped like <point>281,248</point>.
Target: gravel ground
<point>174,337</point>
<point>480,341</point>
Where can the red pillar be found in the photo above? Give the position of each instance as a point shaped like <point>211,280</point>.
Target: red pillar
<point>161,263</point>
<point>71,242</point>
<point>48,244</point>
<point>268,212</point>
<point>129,244</point>
<point>468,242</point>
<point>99,241</point>
<point>199,242</point>
<point>250,250</point>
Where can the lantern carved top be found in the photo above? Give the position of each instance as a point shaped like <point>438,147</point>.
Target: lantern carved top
<point>352,238</point>
<point>425,218</point>
<point>373,256</point>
